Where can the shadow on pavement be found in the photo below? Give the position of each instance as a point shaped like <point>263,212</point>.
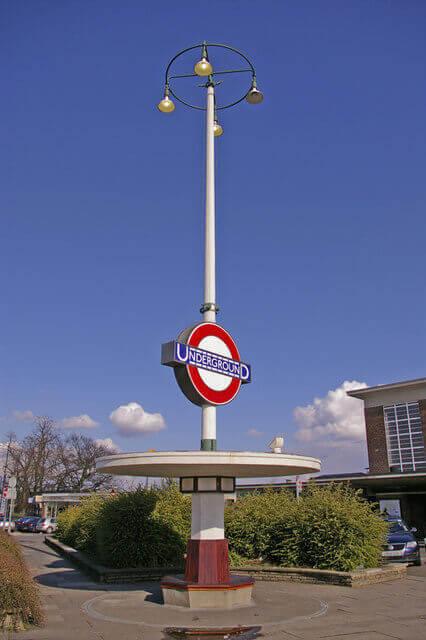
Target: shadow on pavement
<point>155,595</point>
<point>71,578</point>
<point>32,548</point>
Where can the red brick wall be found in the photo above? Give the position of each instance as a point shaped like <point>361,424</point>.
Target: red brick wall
<point>376,440</point>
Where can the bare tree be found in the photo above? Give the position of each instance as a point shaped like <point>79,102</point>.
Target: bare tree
<point>45,461</point>
<point>79,453</point>
<point>34,461</point>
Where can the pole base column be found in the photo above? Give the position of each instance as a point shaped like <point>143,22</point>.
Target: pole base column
<point>207,583</point>
<point>207,562</point>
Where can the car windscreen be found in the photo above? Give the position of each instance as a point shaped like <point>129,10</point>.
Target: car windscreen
<point>398,527</point>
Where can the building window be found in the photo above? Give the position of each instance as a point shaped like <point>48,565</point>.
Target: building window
<point>404,434</point>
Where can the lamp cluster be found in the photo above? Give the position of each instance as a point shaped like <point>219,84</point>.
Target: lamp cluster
<point>203,68</point>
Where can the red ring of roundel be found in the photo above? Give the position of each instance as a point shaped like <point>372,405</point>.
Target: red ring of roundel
<point>210,395</point>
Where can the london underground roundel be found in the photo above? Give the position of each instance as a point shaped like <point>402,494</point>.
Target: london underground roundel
<point>207,364</point>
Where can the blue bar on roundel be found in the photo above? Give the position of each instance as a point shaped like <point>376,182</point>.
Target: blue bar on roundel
<point>184,354</point>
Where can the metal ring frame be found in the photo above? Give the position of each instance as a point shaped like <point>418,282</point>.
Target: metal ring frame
<point>205,46</point>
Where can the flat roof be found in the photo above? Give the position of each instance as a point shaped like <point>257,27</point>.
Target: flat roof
<point>362,393</point>
<point>356,479</point>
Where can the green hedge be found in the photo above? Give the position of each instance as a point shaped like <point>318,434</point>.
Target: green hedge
<point>248,521</point>
<point>19,598</point>
<point>327,528</point>
<point>146,527</point>
<point>68,525</point>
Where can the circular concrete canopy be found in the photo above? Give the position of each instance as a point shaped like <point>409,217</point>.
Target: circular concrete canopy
<point>181,464</point>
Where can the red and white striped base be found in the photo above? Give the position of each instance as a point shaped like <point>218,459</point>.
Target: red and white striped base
<point>207,582</point>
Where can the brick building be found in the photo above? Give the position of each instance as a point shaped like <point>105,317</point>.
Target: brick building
<point>395,423</point>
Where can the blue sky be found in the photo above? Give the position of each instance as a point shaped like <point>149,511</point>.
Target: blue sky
<point>320,213</point>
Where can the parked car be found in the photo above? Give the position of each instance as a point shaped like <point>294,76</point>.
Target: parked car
<point>5,525</point>
<point>401,544</point>
<point>28,524</point>
<point>46,525</point>
<point>21,521</point>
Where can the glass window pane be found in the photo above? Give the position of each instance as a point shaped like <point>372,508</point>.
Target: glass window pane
<point>419,454</point>
<point>402,423</point>
<point>416,428</point>
<point>404,436</point>
<point>414,413</point>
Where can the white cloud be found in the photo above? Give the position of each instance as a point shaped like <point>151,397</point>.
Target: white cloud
<point>131,419</point>
<point>254,433</point>
<point>332,428</point>
<point>23,416</point>
<point>333,419</point>
<point>108,443</point>
<point>78,422</point>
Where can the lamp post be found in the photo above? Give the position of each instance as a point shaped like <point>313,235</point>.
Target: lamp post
<point>210,371</point>
<point>204,68</point>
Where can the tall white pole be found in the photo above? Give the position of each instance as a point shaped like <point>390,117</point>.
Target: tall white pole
<point>208,416</point>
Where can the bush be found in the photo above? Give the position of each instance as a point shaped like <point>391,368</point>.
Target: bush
<point>68,525</point>
<point>19,599</point>
<point>174,509</point>
<point>146,527</point>
<point>77,525</point>
<point>236,560</point>
<point>132,534</point>
<point>333,528</point>
<point>90,513</point>
<point>8,545</point>
<point>327,528</point>
<point>248,521</point>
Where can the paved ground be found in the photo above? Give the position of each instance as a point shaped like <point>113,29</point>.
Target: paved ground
<point>78,608</point>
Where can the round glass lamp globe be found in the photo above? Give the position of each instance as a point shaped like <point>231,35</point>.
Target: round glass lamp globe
<point>203,68</point>
<point>217,129</point>
<point>254,96</point>
<point>166,105</point>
